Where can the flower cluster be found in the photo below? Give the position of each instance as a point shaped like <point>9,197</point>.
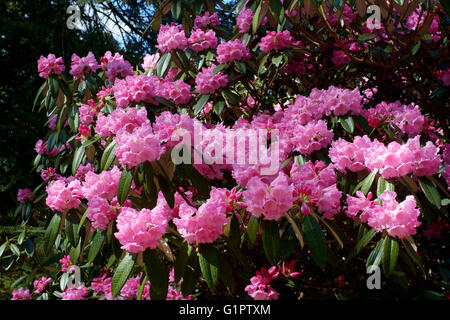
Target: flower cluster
<point>171,38</point>
<point>399,219</point>
<point>50,65</point>
<point>259,287</point>
<point>208,82</point>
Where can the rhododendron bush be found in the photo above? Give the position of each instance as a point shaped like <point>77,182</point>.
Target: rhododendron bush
<point>280,158</point>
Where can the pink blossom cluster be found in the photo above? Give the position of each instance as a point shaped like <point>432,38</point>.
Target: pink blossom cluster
<point>272,200</point>
<point>170,127</point>
<point>87,112</point>
<point>140,230</point>
<point>125,119</point>
<point>136,89</point>
<point>311,137</point>
<point>75,293</point>
<point>39,285</point>
<point>446,160</point>
<point>207,82</point>
<point>259,287</point>
<point>444,76</point>
<point>49,174</point>
<point>233,50</point>
<point>244,20</point>
<point>102,211</point>
<point>84,65</point>
<point>346,17</point>
<point>315,185</point>
<point>406,117</point>
<point>393,160</point>
<point>201,40</point>
<point>63,195</point>
<point>102,185</point>
<point>276,41</point>
<point>25,195</point>
<point>179,91</point>
<point>399,219</point>
<point>227,199</point>
<point>21,294</point>
<point>150,61</point>
<point>41,148</point>
<point>207,20</point>
<point>83,170</point>
<point>50,65</point>
<point>171,37</point>
<point>65,263</point>
<point>140,145</point>
<point>115,66</point>
<point>202,225</point>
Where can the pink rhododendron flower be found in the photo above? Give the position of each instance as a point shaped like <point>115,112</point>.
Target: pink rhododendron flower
<point>170,127</point>
<point>126,119</point>
<point>399,219</point>
<point>208,82</point>
<point>276,41</point>
<point>84,65</point>
<point>39,285</point>
<point>244,20</point>
<point>63,195</point>
<point>135,89</point>
<point>171,37</point>
<point>204,225</point>
<point>349,155</point>
<point>287,269</point>
<point>201,40</point>
<point>150,61</point>
<point>271,200</point>
<point>259,288</point>
<point>65,263</point>
<point>232,51</point>
<point>138,146</point>
<point>312,137</point>
<point>102,185</point>
<point>179,91</point>
<point>118,68</point>
<point>101,211</point>
<point>25,195</point>
<point>207,20</point>
<point>49,174</point>
<point>21,294</point>
<point>79,293</point>
<point>140,230</point>
<point>50,65</point>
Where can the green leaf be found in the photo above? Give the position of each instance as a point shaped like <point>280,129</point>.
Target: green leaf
<point>96,244</point>
<point>364,241</point>
<point>141,288</point>
<point>176,8</point>
<point>276,7</point>
<point>366,184</point>
<point>393,255</point>
<point>150,191</point>
<point>416,47</point>
<point>209,264</point>
<point>182,260</point>
<point>38,95</point>
<point>21,237</point>
<point>14,249</point>
<point>162,64</point>
<point>201,103</point>
<point>218,107</point>
<point>77,158</point>
<point>271,240</point>
<point>108,156</point>
<point>376,255</point>
<point>3,248</point>
<point>53,86</point>
<point>190,279</point>
<point>29,247</point>
<point>348,124</point>
<point>66,90</point>
<point>429,189</point>
<point>63,281</point>
<point>71,226</point>
<point>226,274</point>
<point>26,212</point>
<point>122,273</point>
<point>124,185</point>
<point>51,232</point>
<point>252,230</point>
<point>366,36</point>
<point>315,240</point>
<point>157,274</point>
<point>240,66</point>
<point>260,12</point>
